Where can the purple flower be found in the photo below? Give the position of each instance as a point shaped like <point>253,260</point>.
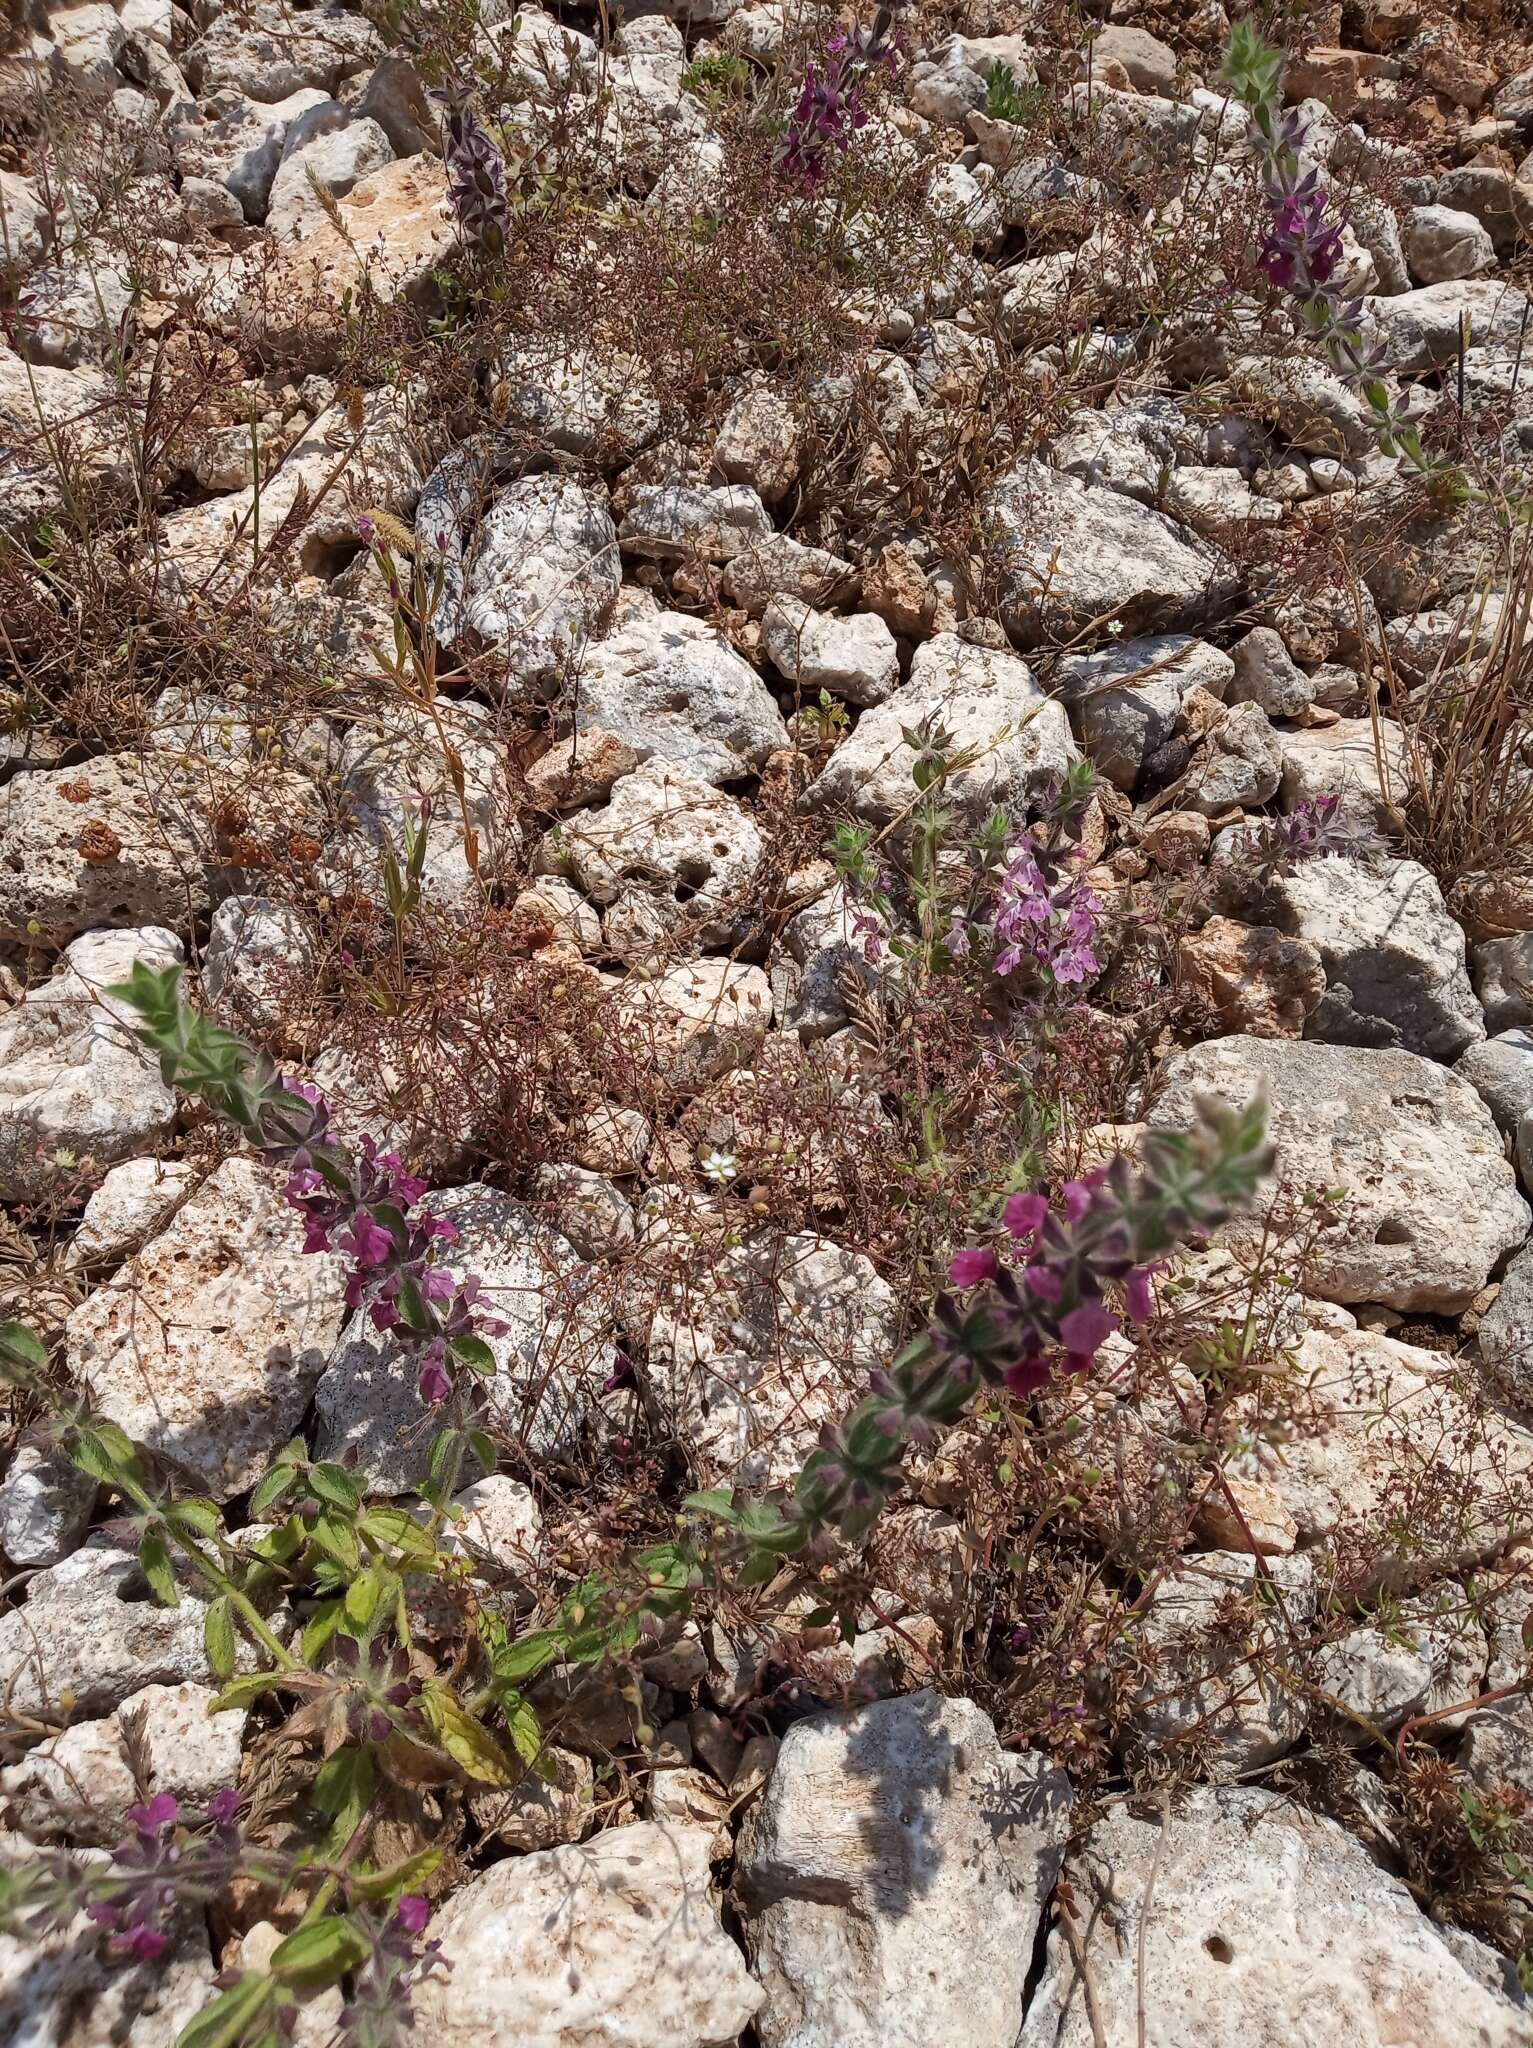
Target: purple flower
<point>970,1268</point>
<point>1139,1293</point>
<point>224,1806</point>
<point>158,1813</point>
<point>435,1382</point>
<point>1024,1216</point>
<point>412,1913</point>
<point>1086,1329</point>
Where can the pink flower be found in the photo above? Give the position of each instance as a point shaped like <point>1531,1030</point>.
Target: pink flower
<point>971,1268</point>
<point>159,1812</point>
<point>435,1382</point>
<point>1075,1198</point>
<point>1044,1282</point>
<point>1139,1294</point>
<point>368,1242</point>
<point>146,1943</point>
<point>1024,1216</point>
<point>1085,1329</point>
<point>438,1284</point>
<point>1027,1375</point>
<point>224,1806</point>
<point>412,1913</point>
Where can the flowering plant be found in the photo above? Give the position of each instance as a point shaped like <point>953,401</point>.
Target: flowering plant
<point>476,171</point>
<point>830,106</point>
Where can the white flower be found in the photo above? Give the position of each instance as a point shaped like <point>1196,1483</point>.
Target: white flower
<point>722,1167</point>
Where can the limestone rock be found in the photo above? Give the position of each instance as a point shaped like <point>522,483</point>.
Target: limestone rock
<point>1073,554</point>
<point>854,658</point>
<point>132,1203</point>
<point>1431,1201</point>
<point>209,1345</point>
<point>79,1783</point>
<point>1394,958</point>
<point>543,575</point>
<point>541,1813</point>
<point>667,856</point>
<point>572,399</point>
<point>45,1507</point>
<point>1441,244</point>
<point>1346,760</point>
<point>1267,1924</point>
<point>1239,765</point>
<point>262,958</point>
<point>986,699</point>
<point>715,522</point>
<point>786,1336</point>
<point>613,1943</point>
<point>1128,698</point>
<point>549,1364</point>
<point>75,1084</point>
<point>894,1875</point>
<point>1420,330</point>
<point>669,686</point>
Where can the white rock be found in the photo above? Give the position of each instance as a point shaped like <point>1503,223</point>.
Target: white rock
<point>1071,554</point>
<point>1345,760</point>
<point>1432,1203</point>
<point>1425,1654</point>
<point>713,521</point>
<point>498,1521</point>
<point>988,700</point>
<point>543,575</point>
<point>574,400</point>
<point>89,1635</point>
<point>1241,763</point>
<point>75,1084</point>
<point>1267,674</point>
<point>26,225</point>
<point>782,1341</point>
<point>132,1202</point>
<point>262,959</point>
<point>671,686</point>
<point>894,1875</point>
<point>209,1345</point>
<point>80,1784</point>
<point>699,1023</point>
<point>610,1944</point>
<point>45,1507</point>
<point>667,855</point>
<point>855,658</point>
<point>1420,330</point>
<point>267,54</point>
<point>541,1813</point>
<point>594,1214</point>
<point>784,567</point>
<point>1267,1926</point>
<point>69,1990</point>
<point>550,1363</point>
<point>758,444</point>
<point>1128,698</point>
<point>334,162</point>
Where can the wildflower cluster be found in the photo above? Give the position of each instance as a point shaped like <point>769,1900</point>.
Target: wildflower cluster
<point>1277,846</point>
<point>830,107</point>
<point>1042,914</point>
<point>1303,246</point>
<point>1065,1275</point>
<point>361,1203</point>
<point>476,172</point>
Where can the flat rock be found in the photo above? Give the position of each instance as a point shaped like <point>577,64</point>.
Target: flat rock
<point>613,1944</point>
<point>77,1090</point>
<point>1268,1926</point>
<point>542,575</point>
<point>209,1345</point>
<point>1367,771</point>
<point>1432,1203</point>
<point>894,1875</point>
<point>1420,330</point>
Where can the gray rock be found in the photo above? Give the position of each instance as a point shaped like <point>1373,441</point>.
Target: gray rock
<point>1432,1204</point>
<point>1503,976</point>
<point>950,80</point>
<point>26,225</point>
<point>667,855</point>
<point>1394,958</point>
<point>45,1507</point>
<point>1344,760</point>
<point>267,53</point>
<point>1506,1328</point>
<point>209,1348</point>
<point>894,1877</point>
<point>1442,244</point>
<point>1502,204</point>
<point>1239,765</point>
<point>334,163</point>
<point>1071,554</point>
<point>1428,1653</point>
<point>713,522</point>
<point>1307,402</point>
<point>75,1084</point>
<point>550,1364</point>
<point>1501,1068</point>
<point>1266,674</point>
<point>783,567</point>
<point>1240,1714</point>
<point>855,658</point>
<point>1266,1922</point>
<point>674,688</point>
<point>575,400</point>
<point>132,1203</point>
<point>977,693</point>
<point>80,311</point>
<point>543,576</point>
<point>262,959</point>
<point>71,1989</point>
<point>1420,330</point>
<point>1127,698</point>
<point>231,142</point>
<point>90,1627</point>
<point>397,100</point>
<point>787,1332</point>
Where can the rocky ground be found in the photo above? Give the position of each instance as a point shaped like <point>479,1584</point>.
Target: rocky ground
<point>560,571</point>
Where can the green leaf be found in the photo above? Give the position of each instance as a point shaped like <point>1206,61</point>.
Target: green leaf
<point>320,1627</point>
<point>319,1953</point>
<point>532,1654</point>
<point>194,1516</point>
<point>400,1531</point>
<point>269,1489</point>
<point>398,1877</point>
<point>334,1485</point>
<point>523,1727</point>
<point>483,1448</point>
<point>344,1788</point>
<point>244,2016</point>
<point>101,1450</point>
<point>363,1596</point>
<point>718,1501</point>
<point>475,1354</point>
<point>246,1690</point>
<point>23,1360</point>
<point>218,1637</point>
<point>336,1539</point>
<point>154,1562</point>
<point>468,1742</point>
